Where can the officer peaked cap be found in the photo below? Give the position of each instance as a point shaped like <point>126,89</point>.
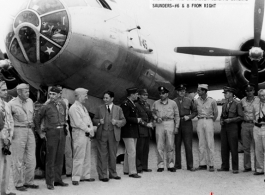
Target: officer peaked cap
<point>163,89</point>
<point>203,86</point>
<point>229,89</point>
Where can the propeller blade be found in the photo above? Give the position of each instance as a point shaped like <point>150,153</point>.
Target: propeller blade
<point>258,21</point>
<point>209,51</point>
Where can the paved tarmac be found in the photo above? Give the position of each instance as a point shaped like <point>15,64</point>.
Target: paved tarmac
<point>166,183</point>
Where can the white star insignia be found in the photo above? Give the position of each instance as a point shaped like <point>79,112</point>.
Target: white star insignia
<point>49,50</point>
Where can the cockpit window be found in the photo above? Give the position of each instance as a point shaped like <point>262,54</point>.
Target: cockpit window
<point>16,51</point>
<point>55,26</point>
<point>75,3</point>
<point>28,40</point>
<point>94,3</point>
<point>46,6</point>
<point>27,16</point>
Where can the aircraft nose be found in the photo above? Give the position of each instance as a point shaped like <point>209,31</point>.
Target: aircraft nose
<point>39,32</point>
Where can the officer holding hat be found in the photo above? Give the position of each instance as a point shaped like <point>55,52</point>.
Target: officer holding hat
<point>247,104</point>
<point>130,132</point>
<point>187,111</point>
<point>166,116</point>
<point>231,114</point>
<point>24,144</point>
<point>207,114</point>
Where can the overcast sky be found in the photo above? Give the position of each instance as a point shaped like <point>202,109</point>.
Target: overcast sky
<point>176,27</point>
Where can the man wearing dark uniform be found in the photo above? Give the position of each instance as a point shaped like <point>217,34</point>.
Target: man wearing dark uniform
<point>231,114</point>
<point>54,115</point>
<point>142,146</point>
<point>130,132</point>
<point>187,111</point>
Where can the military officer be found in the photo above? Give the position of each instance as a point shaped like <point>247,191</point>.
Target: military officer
<point>207,114</point>
<point>187,111</point>
<point>82,130</point>
<point>166,116</point>
<point>24,144</point>
<point>231,114</point>
<point>53,113</point>
<point>130,132</point>
<point>142,146</point>
<point>247,104</point>
<point>6,135</point>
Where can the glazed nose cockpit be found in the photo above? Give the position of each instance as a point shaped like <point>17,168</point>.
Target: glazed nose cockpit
<point>39,31</point>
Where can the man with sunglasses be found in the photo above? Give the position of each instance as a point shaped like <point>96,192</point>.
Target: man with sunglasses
<point>166,116</point>
<point>247,104</point>
<point>187,111</point>
<point>142,146</point>
<point>54,115</point>
<point>231,114</point>
<point>207,114</point>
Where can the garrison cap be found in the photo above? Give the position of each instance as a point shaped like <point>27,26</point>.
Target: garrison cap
<point>142,91</point>
<point>229,89</point>
<point>180,87</point>
<point>23,86</point>
<point>163,89</point>
<point>249,87</point>
<point>55,89</point>
<point>131,90</point>
<point>204,86</point>
<point>80,91</point>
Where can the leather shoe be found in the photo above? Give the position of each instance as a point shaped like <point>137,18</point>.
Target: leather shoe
<point>32,186</point>
<point>116,177</point>
<point>21,188</point>
<point>75,183</point>
<point>125,173</point>
<point>222,169</point>
<point>50,187</point>
<point>247,170</point>
<point>104,179</point>
<point>235,171</point>
<point>11,193</point>
<point>211,169</point>
<point>171,169</point>
<point>135,175</point>
<point>147,170</point>
<point>258,173</point>
<point>140,171</point>
<point>160,169</point>
<point>68,175</point>
<point>202,167</point>
<point>60,184</point>
<point>177,167</point>
<point>89,180</point>
<point>192,169</point>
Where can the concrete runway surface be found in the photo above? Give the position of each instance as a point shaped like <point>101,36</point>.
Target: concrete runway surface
<point>166,183</point>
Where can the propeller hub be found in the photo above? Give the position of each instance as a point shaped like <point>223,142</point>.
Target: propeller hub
<point>256,53</point>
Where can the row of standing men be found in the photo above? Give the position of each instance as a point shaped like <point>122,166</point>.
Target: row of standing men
<point>132,122</point>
